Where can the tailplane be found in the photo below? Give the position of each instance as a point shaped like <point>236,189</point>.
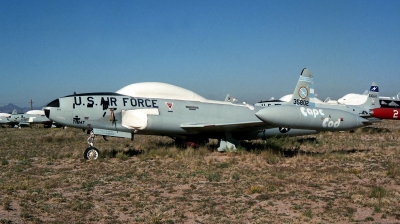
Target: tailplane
<point>303,94</point>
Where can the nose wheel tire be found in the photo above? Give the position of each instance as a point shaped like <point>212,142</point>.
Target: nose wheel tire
<point>91,153</point>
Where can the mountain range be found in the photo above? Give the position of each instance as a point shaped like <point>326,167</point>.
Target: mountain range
<point>10,107</point>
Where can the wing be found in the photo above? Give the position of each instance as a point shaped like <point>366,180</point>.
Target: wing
<point>222,127</point>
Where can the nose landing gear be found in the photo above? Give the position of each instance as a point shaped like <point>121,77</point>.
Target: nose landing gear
<point>91,153</point>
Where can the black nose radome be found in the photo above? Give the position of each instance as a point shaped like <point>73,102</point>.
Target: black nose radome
<point>47,113</point>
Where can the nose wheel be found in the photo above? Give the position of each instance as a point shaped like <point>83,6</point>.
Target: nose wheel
<point>91,153</point>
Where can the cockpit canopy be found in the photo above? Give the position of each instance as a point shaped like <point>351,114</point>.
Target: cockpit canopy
<point>159,90</point>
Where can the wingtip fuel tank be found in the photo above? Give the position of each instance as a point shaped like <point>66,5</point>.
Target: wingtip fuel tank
<point>323,119</point>
<point>386,113</point>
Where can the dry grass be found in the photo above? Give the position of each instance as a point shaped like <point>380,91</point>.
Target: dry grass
<point>326,178</point>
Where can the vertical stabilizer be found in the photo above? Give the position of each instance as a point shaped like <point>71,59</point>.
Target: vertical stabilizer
<point>228,98</point>
<point>373,97</point>
<point>303,94</point>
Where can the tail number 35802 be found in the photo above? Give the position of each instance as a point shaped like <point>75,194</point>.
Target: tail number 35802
<point>301,102</point>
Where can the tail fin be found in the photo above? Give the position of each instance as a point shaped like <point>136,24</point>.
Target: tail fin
<point>14,112</point>
<point>228,98</point>
<point>303,94</point>
<point>373,97</point>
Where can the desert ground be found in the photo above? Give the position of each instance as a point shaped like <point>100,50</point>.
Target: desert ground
<point>331,177</point>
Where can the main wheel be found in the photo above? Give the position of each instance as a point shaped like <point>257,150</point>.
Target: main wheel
<point>91,153</point>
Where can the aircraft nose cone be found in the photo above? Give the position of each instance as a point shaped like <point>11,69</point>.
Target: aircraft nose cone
<point>281,116</point>
<point>264,115</point>
<point>55,103</point>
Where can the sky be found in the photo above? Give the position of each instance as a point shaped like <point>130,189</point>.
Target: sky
<point>253,50</point>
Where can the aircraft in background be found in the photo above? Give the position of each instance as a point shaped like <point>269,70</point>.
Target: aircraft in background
<point>26,119</point>
<point>4,115</point>
<point>390,102</point>
<point>359,99</point>
<point>3,118</point>
<point>304,111</point>
<point>162,109</point>
<point>390,108</point>
<point>348,99</point>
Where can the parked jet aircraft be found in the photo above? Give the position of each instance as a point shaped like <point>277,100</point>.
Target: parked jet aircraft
<point>303,112</point>
<point>390,102</point>
<point>163,109</point>
<point>4,115</point>
<point>28,118</point>
<point>3,118</point>
<point>348,99</point>
<point>390,108</point>
<point>359,99</point>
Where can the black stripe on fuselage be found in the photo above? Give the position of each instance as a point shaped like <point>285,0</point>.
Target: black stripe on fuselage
<point>97,94</point>
<point>271,101</point>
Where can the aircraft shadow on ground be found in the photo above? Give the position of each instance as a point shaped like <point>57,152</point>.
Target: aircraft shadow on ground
<point>130,152</point>
<point>279,147</point>
<point>286,147</point>
<point>374,130</point>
